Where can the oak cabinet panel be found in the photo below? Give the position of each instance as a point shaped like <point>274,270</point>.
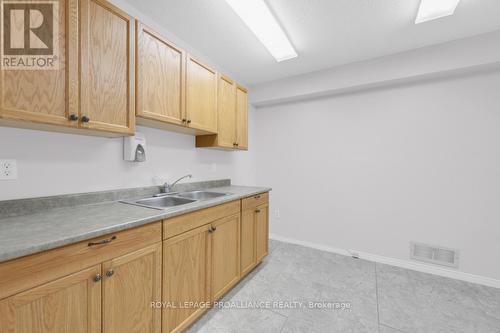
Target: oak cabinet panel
<point>160,74</point>
<point>226,110</point>
<point>225,255</point>
<point>254,201</point>
<point>241,118</point>
<point>248,253</point>
<point>92,89</point>
<point>232,109</point>
<point>186,277</point>
<point>69,304</point>
<point>46,96</point>
<point>254,231</point>
<point>262,231</point>
<point>131,283</point>
<point>107,68</point>
<point>201,96</point>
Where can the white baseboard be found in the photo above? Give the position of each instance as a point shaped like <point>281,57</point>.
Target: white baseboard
<point>416,266</point>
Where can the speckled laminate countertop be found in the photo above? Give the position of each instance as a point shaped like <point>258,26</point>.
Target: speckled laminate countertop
<point>48,229</point>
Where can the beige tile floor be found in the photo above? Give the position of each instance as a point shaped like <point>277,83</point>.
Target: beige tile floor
<point>381,298</point>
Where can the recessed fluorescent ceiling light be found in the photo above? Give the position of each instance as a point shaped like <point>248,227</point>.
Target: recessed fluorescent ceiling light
<point>259,19</point>
<point>434,9</point>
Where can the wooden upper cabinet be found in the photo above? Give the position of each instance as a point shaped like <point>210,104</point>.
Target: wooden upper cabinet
<point>160,75</point>
<point>241,118</point>
<point>69,304</point>
<point>226,134</point>
<point>201,96</point>
<point>232,110</point>
<point>50,96</point>
<point>130,284</point>
<point>107,68</point>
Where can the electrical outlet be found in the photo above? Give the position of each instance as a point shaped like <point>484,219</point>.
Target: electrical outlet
<point>8,169</point>
<point>277,213</point>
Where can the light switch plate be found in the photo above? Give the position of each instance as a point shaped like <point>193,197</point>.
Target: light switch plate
<point>8,169</point>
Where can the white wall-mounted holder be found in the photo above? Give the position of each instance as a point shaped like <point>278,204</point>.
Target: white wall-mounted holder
<point>134,148</point>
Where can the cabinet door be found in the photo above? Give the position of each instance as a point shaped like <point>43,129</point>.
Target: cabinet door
<point>107,73</point>
<point>186,278</point>
<point>159,78</point>
<point>226,135</point>
<point>46,96</point>
<point>131,283</point>
<point>69,304</point>
<point>201,96</point>
<point>242,117</point>
<point>225,255</point>
<point>248,253</point>
<point>262,231</point>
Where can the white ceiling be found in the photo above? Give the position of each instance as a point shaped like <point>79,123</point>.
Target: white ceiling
<point>325,33</point>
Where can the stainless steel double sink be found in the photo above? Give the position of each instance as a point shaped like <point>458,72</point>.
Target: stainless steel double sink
<point>168,200</point>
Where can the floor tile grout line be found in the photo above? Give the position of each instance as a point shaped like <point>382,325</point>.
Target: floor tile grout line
<point>376,295</point>
<point>282,315</point>
<point>396,329</point>
<point>283,325</point>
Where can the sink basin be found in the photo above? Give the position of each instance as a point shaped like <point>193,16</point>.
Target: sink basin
<point>164,202</point>
<point>201,195</point>
<point>169,200</point>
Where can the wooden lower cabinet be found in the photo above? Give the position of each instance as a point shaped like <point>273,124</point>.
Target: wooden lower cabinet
<point>254,236</point>
<point>121,293</point>
<point>111,283</point>
<point>262,231</point>
<point>104,284</point>
<point>203,264</point>
<point>69,304</point>
<point>186,278</point>
<point>225,255</point>
<point>130,284</point>
<point>248,254</point>
<point>199,267</point>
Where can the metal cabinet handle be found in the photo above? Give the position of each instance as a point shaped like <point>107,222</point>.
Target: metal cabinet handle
<point>73,117</point>
<point>257,197</point>
<point>85,119</point>
<point>104,241</point>
<point>210,230</point>
<point>257,210</point>
<point>184,120</point>
<point>214,228</point>
<point>189,121</point>
<point>97,278</point>
<point>110,273</point>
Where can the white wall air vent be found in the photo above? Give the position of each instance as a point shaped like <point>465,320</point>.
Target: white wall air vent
<point>434,254</point>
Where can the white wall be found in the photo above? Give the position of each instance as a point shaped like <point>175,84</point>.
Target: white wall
<point>375,170</point>
<point>54,163</point>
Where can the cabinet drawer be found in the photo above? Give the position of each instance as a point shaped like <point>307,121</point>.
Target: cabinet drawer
<point>179,224</point>
<point>254,201</point>
<point>36,269</point>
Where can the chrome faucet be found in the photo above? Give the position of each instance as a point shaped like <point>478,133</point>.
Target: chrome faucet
<point>168,187</point>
